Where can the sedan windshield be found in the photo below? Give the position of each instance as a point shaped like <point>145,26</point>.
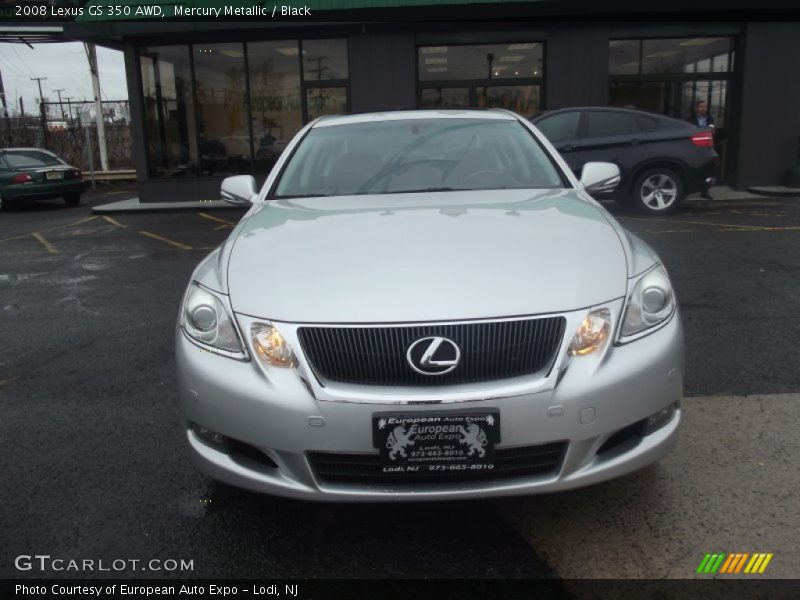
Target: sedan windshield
<point>417,155</point>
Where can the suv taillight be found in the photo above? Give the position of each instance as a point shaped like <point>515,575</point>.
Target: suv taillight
<point>21,178</point>
<point>704,139</point>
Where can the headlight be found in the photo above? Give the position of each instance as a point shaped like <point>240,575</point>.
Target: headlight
<point>206,319</point>
<point>592,333</point>
<point>650,303</point>
<point>271,347</point>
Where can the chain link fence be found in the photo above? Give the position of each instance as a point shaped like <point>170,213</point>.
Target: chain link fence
<point>69,129</point>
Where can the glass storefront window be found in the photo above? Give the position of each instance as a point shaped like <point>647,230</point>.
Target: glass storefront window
<point>275,97</point>
<point>675,55</point>
<point>168,110</point>
<point>243,118</point>
<point>624,57</point>
<point>326,101</point>
<point>324,60</point>
<point>522,99</point>
<point>445,97</point>
<point>224,136</point>
<point>485,61</point>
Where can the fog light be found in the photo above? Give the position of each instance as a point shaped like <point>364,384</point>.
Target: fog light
<point>658,420</point>
<point>211,438</point>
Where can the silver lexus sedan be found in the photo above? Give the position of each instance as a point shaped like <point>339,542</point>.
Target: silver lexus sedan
<point>427,305</point>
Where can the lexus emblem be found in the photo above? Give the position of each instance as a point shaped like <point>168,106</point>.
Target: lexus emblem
<point>433,355</point>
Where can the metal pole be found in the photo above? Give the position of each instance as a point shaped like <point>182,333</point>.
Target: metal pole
<point>5,104</point>
<point>90,155</point>
<point>91,54</point>
<point>61,104</point>
<point>69,106</point>
<point>42,110</point>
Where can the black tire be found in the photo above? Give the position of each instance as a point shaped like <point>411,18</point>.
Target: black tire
<point>72,199</point>
<point>658,191</point>
<point>8,205</point>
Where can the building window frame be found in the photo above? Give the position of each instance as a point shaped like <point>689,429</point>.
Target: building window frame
<point>304,87</point>
<point>472,85</point>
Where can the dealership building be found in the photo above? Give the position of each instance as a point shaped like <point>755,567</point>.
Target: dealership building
<point>220,97</point>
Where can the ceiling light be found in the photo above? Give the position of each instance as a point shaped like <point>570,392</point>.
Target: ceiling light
<point>436,61</point>
<point>522,46</point>
<point>434,50</point>
<point>698,42</point>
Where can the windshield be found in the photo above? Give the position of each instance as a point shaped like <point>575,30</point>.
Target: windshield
<point>416,155</point>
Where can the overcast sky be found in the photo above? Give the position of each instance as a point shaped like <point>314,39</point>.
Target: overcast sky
<point>65,66</point>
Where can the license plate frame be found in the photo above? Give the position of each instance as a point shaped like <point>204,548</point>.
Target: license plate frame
<point>444,441</point>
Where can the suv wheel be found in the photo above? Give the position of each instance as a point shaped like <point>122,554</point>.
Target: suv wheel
<point>658,190</point>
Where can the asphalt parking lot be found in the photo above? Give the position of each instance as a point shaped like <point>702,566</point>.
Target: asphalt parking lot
<point>94,465</point>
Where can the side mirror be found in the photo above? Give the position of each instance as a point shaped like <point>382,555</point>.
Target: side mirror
<point>239,190</point>
<point>600,176</point>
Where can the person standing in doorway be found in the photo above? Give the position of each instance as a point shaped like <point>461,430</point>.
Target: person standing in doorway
<point>701,117</point>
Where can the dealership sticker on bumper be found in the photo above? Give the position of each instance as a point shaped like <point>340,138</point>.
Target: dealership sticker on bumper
<point>421,443</point>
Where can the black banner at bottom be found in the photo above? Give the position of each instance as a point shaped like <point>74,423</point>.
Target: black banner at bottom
<point>400,589</point>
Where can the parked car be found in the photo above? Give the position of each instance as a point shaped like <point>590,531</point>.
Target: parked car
<point>427,305</point>
<point>661,159</point>
<point>28,174</point>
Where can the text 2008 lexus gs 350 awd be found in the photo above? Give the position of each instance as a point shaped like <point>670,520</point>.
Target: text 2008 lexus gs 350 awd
<point>427,305</point>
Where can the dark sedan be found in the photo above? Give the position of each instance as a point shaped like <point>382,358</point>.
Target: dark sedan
<point>661,159</point>
<point>28,174</point>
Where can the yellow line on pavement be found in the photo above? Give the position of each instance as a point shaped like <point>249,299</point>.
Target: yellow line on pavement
<point>167,240</point>
<point>9,380</point>
<point>24,235</point>
<point>48,246</point>
<point>114,222</point>
<point>217,219</point>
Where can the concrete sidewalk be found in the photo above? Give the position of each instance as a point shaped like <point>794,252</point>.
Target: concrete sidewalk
<point>133,205</point>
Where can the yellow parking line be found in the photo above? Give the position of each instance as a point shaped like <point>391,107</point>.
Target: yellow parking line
<point>167,240</point>
<point>217,219</point>
<point>48,246</point>
<point>23,235</point>
<point>114,222</point>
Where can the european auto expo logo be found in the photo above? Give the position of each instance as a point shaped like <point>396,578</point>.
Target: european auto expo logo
<point>734,563</point>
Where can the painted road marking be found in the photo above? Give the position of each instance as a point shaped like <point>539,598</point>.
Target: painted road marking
<point>114,222</point>
<point>9,380</point>
<point>225,222</point>
<point>161,238</point>
<point>48,246</point>
<point>24,235</point>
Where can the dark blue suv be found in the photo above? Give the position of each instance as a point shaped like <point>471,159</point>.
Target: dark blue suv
<point>661,159</point>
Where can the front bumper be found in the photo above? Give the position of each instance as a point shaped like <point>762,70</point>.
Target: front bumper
<point>595,398</point>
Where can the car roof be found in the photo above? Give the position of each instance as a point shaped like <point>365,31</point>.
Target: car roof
<point>633,111</point>
<point>27,150</point>
<point>400,115</point>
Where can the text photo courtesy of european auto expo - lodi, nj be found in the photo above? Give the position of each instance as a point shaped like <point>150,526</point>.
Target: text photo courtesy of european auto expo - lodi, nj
<point>399,298</point>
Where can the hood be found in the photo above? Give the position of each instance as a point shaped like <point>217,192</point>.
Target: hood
<point>425,257</point>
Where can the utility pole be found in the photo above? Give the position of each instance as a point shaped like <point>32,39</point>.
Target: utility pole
<point>69,106</point>
<point>42,109</point>
<point>21,107</point>
<point>61,104</point>
<point>5,105</point>
<point>91,54</point>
